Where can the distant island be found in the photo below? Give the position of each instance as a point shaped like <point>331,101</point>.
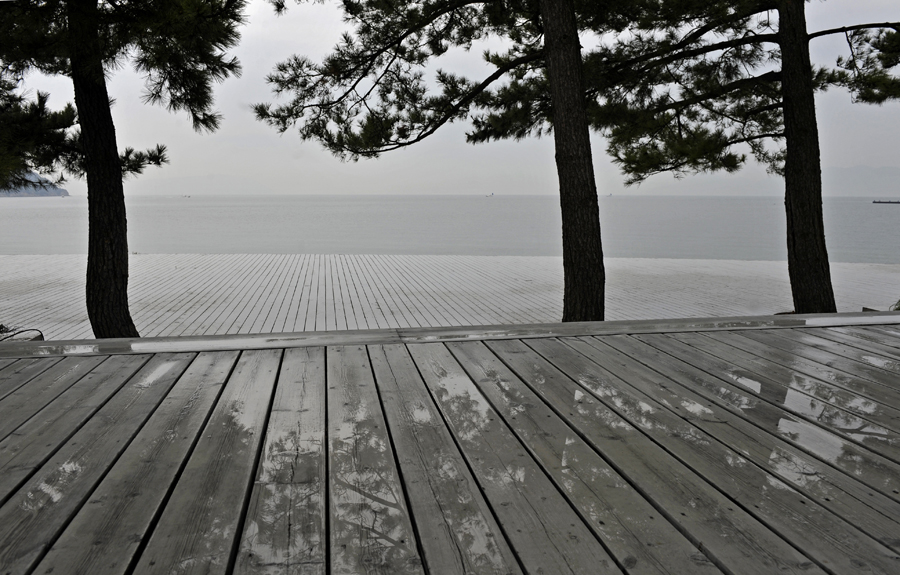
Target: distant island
<point>43,190</point>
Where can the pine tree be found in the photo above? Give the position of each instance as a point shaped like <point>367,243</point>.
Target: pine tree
<point>698,80</point>
<point>371,95</point>
<point>32,138</point>
<point>178,44</point>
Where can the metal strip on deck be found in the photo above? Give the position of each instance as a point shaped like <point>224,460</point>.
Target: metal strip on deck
<point>727,445</point>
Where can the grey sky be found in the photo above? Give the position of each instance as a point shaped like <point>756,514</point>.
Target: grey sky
<point>246,156</point>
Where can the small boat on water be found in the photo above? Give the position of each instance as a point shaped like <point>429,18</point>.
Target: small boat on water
<point>886,202</point>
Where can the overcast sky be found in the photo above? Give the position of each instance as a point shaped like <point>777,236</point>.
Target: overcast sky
<point>859,143</point>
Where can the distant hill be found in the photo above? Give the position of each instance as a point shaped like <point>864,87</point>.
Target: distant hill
<point>47,189</point>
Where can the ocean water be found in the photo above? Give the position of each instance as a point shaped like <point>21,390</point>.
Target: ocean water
<point>736,228</point>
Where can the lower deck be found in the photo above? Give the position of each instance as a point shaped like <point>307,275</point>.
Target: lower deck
<point>723,446</point>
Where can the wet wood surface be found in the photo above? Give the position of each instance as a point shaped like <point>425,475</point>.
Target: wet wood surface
<point>739,450</point>
<point>211,294</point>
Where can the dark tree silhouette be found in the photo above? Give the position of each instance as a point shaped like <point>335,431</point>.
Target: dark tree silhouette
<point>696,80</point>
<point>178,44</point>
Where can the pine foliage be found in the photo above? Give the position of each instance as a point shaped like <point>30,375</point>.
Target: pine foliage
<point>179,46</point>
<point>372,93</point>
<point>696,87</point>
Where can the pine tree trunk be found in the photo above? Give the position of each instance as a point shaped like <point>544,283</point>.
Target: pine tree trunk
<point>807,255</point>
<point>585,277</point>
<point>107,268</point>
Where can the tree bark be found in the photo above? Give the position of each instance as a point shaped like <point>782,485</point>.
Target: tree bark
<point>107,268</point>
<point>807,255</point>
<point>585,277</point>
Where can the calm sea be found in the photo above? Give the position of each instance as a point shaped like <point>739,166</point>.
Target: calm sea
<point>741,228</point>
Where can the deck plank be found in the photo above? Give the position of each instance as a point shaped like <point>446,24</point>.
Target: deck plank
<point>546,534</point>
<point>371,528</point>
<point>38,438</point>
<point>837,420</point>
<point>842,358</point>
<point>845,496</point>
<point>869,336</point>
<point>32,519</point>
<point>804,366</point>
<point>28,399</point>
<point>285,527</point>
<point>813,529</point>
<point>456,529</point>
<point>105,534</point>
<point>872,469</point>
<point>198,529</point>
<point>779,383</point>
<point>608,504</point>
<point>18,372</point>
<point>730,536</point>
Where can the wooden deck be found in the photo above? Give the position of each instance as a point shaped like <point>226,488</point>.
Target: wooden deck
<point>181,295</point>
<point>742,446</point>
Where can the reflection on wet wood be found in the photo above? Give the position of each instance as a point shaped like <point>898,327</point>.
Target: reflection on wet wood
<point>811,368</point>
<point>720,446</point>
<point>371,531</point>
<point>791,398</point>
<point>837,357</point>
<point>635,533</point>
<point>617,427</point>
<point>104,536</point>
<point>198,528</point>
<point>34,516</point>
<point>745,368</point>
<point>544,531</point>
<point>868,467</point>
<point>460,533</point>
<point>811,528</point>
<point>285,527</point>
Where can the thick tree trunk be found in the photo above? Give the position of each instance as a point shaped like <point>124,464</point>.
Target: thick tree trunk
<point>807,256</point>
<point>107,269</point>
<point>585,277</point>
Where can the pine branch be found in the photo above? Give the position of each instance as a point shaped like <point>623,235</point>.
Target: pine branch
<point>455,108</point>
<point>845,29</point>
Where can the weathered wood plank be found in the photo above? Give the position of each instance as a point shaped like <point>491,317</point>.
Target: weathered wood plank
<point>793,362</point>
<point>785,385</point>
<point>872,343</point>
<point>199,527</point>
<point>371,530</point>
<point>875,471</point>
<point>827,539</point>
<point>608,504</point>
<point>457,531</point>
<point>38,438</point>
<point>18,372</point>
<point>862,506</point>
<point>869,334</point>
<point>796,402</point>
<point>731,537</point>
<point>53,378</point>
<point>842,358</point>
<point>284,531</point>
<point>32,519</point>
<point>105,534</point>
<point>545,532</point>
